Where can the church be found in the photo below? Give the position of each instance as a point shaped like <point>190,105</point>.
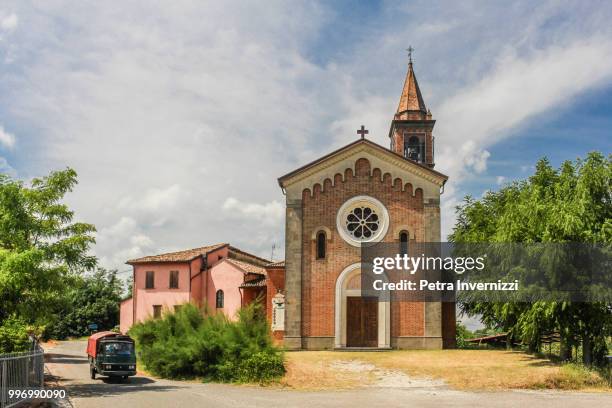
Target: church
<point>363,193</point>
<point>360,194</point>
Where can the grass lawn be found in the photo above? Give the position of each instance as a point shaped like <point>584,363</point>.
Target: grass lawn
<point>459,369</point>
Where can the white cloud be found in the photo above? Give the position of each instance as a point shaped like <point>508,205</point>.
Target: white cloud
<point>156,200</point>
<point>8,23</point>
<point>516,90</point>
<point>121,241</point>
<point>180,119</point>
<point>6,168</point>
<point>271,213</point>
<point>7,139</point>
<point>500,180</point>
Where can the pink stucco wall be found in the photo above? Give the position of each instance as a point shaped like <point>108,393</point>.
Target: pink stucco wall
<point>126,315</point>
<point>161,294</point>
<point>226,277</point>
<point>195,286</point>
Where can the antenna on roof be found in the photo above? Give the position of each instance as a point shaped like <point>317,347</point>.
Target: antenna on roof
<point>272,254</point>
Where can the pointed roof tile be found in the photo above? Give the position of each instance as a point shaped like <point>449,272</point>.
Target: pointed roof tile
<point>411,99</point>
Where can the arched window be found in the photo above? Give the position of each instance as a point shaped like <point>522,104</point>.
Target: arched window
<point>414,149</point>
<point>321,245</point>
<point>403,243</point>
<point>219,299</point>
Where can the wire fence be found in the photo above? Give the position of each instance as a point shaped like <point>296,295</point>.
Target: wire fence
<point>20,371</point>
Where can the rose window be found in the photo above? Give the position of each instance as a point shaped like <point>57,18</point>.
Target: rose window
<point>362,222</point>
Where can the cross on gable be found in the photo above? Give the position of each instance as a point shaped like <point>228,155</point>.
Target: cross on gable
<point>363,131</point>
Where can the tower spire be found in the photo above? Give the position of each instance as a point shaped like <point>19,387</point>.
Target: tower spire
<point>412,125</point>
<point>411,99</point>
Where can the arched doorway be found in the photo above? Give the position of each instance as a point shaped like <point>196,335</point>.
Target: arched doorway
<point>359,321</point>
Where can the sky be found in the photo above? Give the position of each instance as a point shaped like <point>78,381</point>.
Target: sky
<point>180,116</point>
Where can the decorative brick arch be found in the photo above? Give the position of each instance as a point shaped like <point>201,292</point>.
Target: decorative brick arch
<point>323,228</point>
<point>342,291</point>
<point>397,230</point>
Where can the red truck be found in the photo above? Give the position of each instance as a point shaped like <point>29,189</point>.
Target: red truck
<point>111,354</point>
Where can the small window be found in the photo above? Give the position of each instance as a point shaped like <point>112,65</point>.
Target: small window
<point>157,309</point>
<point>150,280</point>
<point>403,243</point>
<point>219,299</point>
<point>177,308</point>
<point>174,279</point>
<point>321,245</point>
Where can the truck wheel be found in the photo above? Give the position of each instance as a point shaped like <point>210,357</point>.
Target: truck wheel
<point>92,373</point>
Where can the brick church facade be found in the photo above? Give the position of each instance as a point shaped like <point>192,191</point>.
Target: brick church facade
<point>359,194</point>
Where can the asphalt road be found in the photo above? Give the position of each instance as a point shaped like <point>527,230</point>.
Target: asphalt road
<point>68,363</point>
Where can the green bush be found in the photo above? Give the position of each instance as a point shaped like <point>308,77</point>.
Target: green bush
<point>14,336</point>
<point>189,343</point>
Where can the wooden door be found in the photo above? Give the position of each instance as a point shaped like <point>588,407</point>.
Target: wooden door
<point>361,321</point>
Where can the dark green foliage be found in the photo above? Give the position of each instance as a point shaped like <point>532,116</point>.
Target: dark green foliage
<point>189,343</point>
<point>89,299</point>
<point>571,204</point>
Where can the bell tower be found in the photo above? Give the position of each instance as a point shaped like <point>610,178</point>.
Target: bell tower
<point>412,124</point>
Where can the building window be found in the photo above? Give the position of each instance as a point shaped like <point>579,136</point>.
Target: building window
<point>150,280</point>
<point>157,309</point>
<point>174,279</point>
<point>219,299</point>
<point>321,245</point>
<point>362,220</point>
<point>403,243</point>
<point>177,308</point>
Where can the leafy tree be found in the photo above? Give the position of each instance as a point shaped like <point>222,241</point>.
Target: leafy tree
<point>92,299</point>
<point>463,334</point>
<point>41,248</point>
<point>571,204</point>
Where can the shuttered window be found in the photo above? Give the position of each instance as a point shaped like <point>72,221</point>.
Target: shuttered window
<point>174,279</point>
<point>150,280</point>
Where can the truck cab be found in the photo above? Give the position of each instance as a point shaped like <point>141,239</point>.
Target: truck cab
<point>111,354</point>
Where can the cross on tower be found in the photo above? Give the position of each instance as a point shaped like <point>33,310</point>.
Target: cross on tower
<point>362,131</point>
<point>410,49</point>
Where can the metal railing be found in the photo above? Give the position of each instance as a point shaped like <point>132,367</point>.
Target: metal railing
<point>19,371</point>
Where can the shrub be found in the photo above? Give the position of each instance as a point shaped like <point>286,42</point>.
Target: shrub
<point>189,343</point>
<point>14,336</point>
<point>262,367</point>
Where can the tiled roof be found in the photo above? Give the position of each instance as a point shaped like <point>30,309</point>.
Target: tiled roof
<point>236,253</point>
<point>255,283</point>
<point>278,264</point>
<point>179,256</point>
<point>411,98</point>
<point>247,267</point>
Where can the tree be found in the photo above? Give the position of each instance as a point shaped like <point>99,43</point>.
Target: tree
<point>41,249</point>
<point>463,334</point>
<point>92,299</point>
<point>571,204</point>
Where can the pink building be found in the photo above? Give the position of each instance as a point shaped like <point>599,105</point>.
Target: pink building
<point>221,277</point>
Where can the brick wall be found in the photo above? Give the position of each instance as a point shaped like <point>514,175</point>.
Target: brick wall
<point>319,208</point>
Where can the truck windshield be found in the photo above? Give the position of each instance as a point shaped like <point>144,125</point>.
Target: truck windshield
<point>119,349</point>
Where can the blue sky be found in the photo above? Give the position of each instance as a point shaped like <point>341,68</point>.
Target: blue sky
<point>180,116</point>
